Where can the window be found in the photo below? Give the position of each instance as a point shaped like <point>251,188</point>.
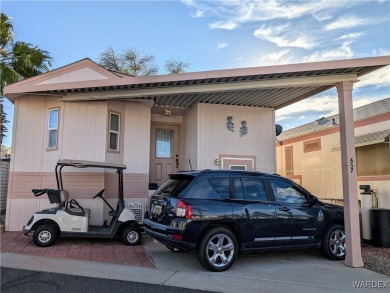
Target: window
<point>114,132</point>
<point>286,192</point>
<point>221,186</point>
<point>253,189</point>
<point>237,167</point>
<point>289,161</point>
<point>312,145</point>
<point>373,160</point>
<point>250,189</point>
<point>173,187</point>
<point>164,143</point>
<point>53,129</point>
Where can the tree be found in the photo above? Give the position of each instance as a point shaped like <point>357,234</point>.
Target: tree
<point>18,60</point>
<point>174,66</point>
<point>130,61</point>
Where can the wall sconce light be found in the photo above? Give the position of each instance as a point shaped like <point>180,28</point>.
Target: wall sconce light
<point>387,139</point>
<point>167,112</point>
<point>216,162</point>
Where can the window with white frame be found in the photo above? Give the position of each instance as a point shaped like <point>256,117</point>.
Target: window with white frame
<point>53,129</point>
<point>114,131</point>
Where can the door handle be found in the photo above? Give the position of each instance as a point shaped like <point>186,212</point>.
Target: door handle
<point>248,217</point>
<point>177,161</point>
<point>284,209</point>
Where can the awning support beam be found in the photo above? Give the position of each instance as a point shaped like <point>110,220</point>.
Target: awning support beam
<point>348,160</point>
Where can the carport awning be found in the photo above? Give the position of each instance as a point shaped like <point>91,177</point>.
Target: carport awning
<point>269,86</point>
<point>371,138</point>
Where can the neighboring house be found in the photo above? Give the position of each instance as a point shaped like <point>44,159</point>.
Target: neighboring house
<point>155,125</point>
<point>4,168</point>
<point>5,152</point>
<point>310,154</point>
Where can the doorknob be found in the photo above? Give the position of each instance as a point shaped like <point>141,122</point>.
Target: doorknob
<point>177,161</point>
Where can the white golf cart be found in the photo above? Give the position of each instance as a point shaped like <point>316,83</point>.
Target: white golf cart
<point>70,219</point>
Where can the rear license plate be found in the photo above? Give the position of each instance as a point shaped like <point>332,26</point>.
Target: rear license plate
<point>157,209</point>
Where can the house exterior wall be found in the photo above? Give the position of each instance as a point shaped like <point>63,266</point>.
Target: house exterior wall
<point>191,123</point>
<point>82,134</point>
<point>319,171</point>
<point>214,139</point>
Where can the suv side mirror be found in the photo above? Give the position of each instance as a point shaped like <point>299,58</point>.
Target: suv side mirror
<point>313,199</point>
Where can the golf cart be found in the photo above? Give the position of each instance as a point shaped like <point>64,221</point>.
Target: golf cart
<point>70,219</point>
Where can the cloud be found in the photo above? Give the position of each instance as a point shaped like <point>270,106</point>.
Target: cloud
<point>244,11</point>
<point>222,45</point>
<point>198,13</point>
<point>346,22</point>
<point>225,25</point>
<point>282,37</point>
<point>351,36</point>
<point>381,52</point>
<point>325,105</point>
<point>281,57</point>
<point>343,52</point>
<point>379,78</point>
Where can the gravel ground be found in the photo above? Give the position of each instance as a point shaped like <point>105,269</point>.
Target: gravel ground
<point>376,259</point>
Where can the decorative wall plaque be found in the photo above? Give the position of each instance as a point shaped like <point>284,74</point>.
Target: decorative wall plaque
<point>243,128</point>
<point>230,124</point>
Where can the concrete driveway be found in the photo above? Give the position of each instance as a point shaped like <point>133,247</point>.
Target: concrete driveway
<point>295,271</point>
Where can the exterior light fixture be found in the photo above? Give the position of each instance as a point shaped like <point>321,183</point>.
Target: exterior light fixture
<point>167,112</point>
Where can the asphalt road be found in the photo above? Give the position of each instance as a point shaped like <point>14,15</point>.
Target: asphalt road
<point>15,280</point>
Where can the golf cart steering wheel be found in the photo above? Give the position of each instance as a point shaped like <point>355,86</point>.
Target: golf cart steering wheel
<point>100,194</point>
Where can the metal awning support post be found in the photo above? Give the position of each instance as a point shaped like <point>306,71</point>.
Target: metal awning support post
<point>348,160</point>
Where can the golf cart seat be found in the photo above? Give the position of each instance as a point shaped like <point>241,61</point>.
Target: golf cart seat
<point>72,207</point>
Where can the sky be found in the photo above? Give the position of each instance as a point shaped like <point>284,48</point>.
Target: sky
<point>212,35</point>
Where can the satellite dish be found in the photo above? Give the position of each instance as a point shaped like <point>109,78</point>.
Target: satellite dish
<point>322,121</point>
<point>278,129</point>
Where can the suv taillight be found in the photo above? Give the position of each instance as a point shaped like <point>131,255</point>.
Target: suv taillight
<point>183,209</point>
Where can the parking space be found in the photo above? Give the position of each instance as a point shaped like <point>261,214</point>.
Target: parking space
<point>297,267</point>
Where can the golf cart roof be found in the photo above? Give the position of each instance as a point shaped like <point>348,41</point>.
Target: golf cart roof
<point>86,164</point>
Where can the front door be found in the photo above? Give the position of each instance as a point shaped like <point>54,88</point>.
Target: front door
<point>164,152</point>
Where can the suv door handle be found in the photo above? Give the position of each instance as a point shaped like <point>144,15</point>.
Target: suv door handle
<point>284,209</point>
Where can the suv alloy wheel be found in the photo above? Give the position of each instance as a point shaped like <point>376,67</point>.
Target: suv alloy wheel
<point>218,249</point>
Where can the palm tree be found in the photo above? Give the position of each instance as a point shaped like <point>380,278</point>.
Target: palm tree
<point>18,60</point>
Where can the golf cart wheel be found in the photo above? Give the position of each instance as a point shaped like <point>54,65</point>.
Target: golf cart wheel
<point>333,244</point>
<point>45,235</point>
<point>131,235</point>
<point>218,249</point>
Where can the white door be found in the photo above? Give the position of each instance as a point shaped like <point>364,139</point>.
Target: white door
<point>164,152</point>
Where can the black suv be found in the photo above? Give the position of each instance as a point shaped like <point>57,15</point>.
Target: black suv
<point>221,213</point>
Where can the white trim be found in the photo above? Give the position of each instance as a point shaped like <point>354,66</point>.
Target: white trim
<point>117,132</point>
<point>239,159</point>
<point>54,128</point>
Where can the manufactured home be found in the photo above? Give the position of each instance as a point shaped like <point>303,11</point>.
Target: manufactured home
<point>157,125</point>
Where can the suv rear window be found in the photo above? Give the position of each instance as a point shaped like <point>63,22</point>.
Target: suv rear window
<point>174,186</point>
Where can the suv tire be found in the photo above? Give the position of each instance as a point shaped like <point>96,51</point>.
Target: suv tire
<point>333,244</point>
<point>218,249</point>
